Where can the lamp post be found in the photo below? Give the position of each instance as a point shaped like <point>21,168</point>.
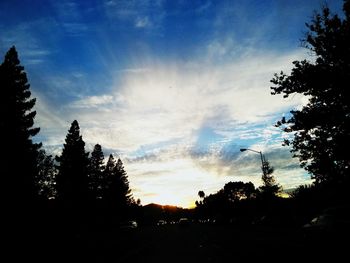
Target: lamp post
<point>261,156</point>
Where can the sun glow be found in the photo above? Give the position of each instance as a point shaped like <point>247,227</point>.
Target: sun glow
<point>171,182</point>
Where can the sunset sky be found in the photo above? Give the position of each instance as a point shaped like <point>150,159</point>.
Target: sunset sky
<point>174,88</point>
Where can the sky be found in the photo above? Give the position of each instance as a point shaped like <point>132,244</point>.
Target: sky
<point>173,88</point>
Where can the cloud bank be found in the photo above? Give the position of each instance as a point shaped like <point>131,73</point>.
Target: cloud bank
<point>180,123</point>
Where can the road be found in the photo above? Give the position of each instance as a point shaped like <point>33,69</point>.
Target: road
<point>176,243</point>
<point>199,243</point>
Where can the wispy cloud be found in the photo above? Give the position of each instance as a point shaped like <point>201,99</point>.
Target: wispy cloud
<point>75,28</point>
<point>175,88</point>
<point>94,101</point>
<point>30,47</point>
<point>143,22</point>
<point>173,181</point>
<point>71,17</point>
<point>176,175</point>
<point>67,10</point>
<point>142,14</point>
<point>204,7</point>
<point>184,121</point>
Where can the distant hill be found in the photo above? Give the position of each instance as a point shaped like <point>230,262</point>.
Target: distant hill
<point>152,213</point>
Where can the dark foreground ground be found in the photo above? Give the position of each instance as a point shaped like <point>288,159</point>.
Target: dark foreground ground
<point>178,243</point>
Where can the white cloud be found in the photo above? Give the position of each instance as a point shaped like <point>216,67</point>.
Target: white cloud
<point>172,100</point>
<point>143,22</point>
<point>53,126</point>
<point>175,177</point>
<point>171,181</point>
<point>159,108</point>
<point>93,101</point>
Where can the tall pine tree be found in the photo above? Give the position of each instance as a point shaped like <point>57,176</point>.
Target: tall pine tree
<point>72,178</point>
<point>117,191</point>
<point>96,170</point>
<point>18,159</point>
<point>108,175</point>
<point>121,185</point>
<point>270,187</point>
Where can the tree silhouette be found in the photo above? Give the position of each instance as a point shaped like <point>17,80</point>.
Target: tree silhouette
<point>19,153</point>
<point>121,184</point>
<point>117,191</point>
<point>236,191</point>
<point>46,176</point>
<point>269,188</point>
<point>108,175</point>
<point>201,194</point>
<point>232,200</point>
<point>321,129</point>
<point>96,170</point>
<point>72,177</point>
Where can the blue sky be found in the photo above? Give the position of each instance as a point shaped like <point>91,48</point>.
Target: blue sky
<point>174,88</point>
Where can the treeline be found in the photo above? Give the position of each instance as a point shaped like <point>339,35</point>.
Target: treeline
<point>76,176</point>
<point>76,184</point>
<point>241,203</point>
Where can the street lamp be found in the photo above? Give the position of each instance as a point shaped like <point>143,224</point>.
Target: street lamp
<point>261,156</point>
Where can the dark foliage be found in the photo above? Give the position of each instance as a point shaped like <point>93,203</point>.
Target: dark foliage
<point>233,201</point>
<point>117,191</point>
<point>96,172</point>
<point>72,178</point>
<point>46,178</point>
<point>270,188</point>
<point>19,153</point>
<point>201,195</point>
<point>321,129</point>
<point>235,191</point>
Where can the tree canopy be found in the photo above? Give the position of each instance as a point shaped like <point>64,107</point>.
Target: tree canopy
<point>321,129</point>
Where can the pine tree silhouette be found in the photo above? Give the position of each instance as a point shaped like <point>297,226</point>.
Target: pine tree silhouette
<point>96,170</point>
<point>117,192</point>
<point>72,178</point>
<point>270,187</point>
<point>18,159</point>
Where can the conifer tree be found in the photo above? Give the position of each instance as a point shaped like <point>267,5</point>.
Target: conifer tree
<point>96,170</point>
<point>117,191</point>
<point>46,176</point>
<point>18,159</point>
<point>72,178</point>
<point>270,187</point>
<point>121,184</point>
<point>108,175</point>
